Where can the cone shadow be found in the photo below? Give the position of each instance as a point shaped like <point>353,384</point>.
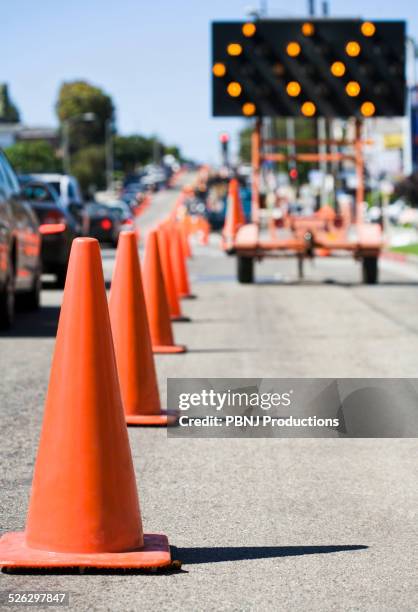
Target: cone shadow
<point>71,571</point>
<point>218,554</point>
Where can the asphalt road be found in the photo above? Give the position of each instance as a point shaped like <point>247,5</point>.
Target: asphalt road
<point>259,524</point>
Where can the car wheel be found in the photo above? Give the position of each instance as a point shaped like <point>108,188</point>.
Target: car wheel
<point>370,271</point>
<point>7,300</point>
<point>32,299</point>
<point>61,276</point>
<point>245,269</point>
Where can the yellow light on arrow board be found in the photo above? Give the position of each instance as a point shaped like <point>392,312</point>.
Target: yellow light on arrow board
<point>219,70</point>
<point>352,89</point>
<point>249,29</point>
<point>308,29</point>
<point>293,49</point>
<point>293,88</point>
<point>248,109</point>
<point>234,49</point>
<point>338,69</point>
<point>368,109</point>
<point>308,109</point>
<point>368,28</point>
<point>352,48</point>
<point>234,89</point>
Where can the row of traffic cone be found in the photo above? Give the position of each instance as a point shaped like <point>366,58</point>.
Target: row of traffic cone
<point>84,509</point>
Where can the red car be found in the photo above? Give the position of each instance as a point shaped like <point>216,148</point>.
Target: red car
<point>20,248</point>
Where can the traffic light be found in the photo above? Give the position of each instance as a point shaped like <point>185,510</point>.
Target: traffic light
<point>320,68</point>
<point>224,140</point>
<point>293,174</point>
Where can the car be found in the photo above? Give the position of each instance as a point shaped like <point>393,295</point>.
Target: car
<point>58,227</point>
<point>124,213</point>
<point>103,224</point>
<point>132,192</point>
<point>65,185</point>
<point>20,248</point>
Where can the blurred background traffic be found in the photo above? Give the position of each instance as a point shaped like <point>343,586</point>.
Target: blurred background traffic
<point>82,174</point>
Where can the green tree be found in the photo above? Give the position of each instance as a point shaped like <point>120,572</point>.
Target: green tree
<point>245,144</point>
<point>8,111</point>
<point>173,150</point>
<point>132,151</point>
<point>407,188</point>
<point>33,156</point>
<point>305,129</point>
<point>76,99</point>
<point>88,165</point>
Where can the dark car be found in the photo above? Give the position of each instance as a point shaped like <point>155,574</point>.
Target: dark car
<point>20,247</point>
<point>103,223</point>
<point>125,215</point>
<point>57,225</point>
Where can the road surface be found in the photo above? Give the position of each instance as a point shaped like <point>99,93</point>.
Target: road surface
<point>308,524</point>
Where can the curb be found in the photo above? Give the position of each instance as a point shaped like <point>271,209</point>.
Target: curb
<point>400,257</point>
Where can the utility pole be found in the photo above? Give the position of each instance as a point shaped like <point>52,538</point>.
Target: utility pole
<point>66,155</point>
<point>263,8</point>
<point>66,146</point>
<point>323,129</point>
<point>109,152</point>
<point>311,8</point>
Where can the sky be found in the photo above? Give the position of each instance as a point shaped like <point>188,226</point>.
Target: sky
<point>152,57</point>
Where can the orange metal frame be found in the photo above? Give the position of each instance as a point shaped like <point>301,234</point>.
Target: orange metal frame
<point>258,156</point>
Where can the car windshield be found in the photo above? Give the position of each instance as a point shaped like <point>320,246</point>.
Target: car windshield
<point>120,211</point>
<point>56,186</point>
<point>98,210</point>
<point>37,193</point>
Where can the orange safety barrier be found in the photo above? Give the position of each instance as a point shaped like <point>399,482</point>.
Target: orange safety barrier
<point>132,340</point>
<point>156,300</point>
<point>84,508</point>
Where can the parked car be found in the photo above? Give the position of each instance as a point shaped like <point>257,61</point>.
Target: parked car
<point>65,185</point>
<point>58,227</point>
<point>132,192</point>
<point>103,223</point>
<point>20,248</point>
<point>124,213</point>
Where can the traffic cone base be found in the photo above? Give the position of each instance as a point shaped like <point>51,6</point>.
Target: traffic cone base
<point>188,296</point>
<point>169,348</point>
<point>166,417</point>
<point>14,552</point>
<point>180,319</point>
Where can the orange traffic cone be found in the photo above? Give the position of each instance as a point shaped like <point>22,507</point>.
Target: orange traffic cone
<point>156,300</point>
<point>84,508</point>
<point>235,217</point>
<point>204,230</point>
<point>185,239</point>
<point>181,276</point>
<point>132,340</point>
<point>165,238</point>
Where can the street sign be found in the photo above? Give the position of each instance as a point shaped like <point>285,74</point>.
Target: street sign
<point>318,68</point>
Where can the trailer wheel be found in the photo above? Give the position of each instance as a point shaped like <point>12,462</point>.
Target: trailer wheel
<point>245,269</point>
<point>370,270</point>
